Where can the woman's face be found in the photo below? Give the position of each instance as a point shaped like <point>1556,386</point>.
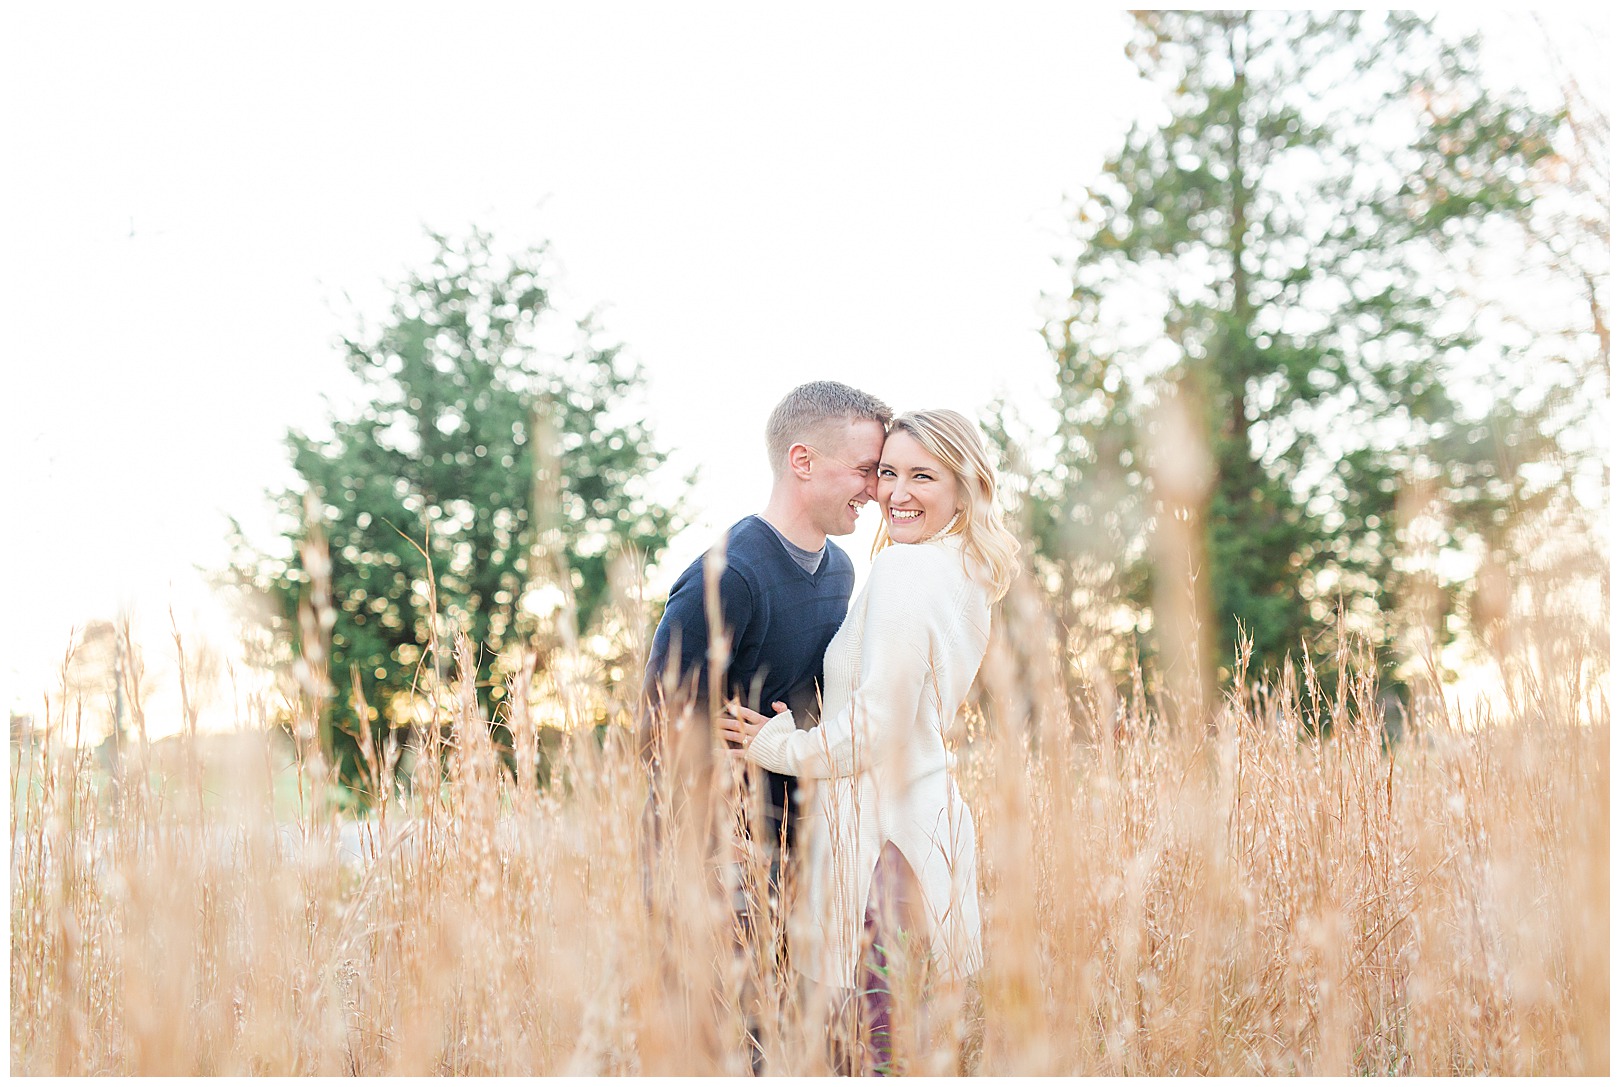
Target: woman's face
<point>917,493</point>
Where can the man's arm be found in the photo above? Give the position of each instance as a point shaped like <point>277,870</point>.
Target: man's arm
<point>677,675</point>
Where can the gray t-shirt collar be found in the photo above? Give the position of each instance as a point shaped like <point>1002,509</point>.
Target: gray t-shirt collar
<point>809,561</point>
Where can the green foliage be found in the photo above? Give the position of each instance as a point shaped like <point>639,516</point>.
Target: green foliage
<point>1291,237</point>
<point>485,464</point>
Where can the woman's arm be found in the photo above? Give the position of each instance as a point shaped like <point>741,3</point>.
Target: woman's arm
<point>902,611</point>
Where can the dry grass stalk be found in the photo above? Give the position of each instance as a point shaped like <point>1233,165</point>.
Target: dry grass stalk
<point>1159,899</point>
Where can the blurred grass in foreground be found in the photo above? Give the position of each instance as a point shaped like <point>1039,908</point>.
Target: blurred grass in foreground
<point>1164,894</point>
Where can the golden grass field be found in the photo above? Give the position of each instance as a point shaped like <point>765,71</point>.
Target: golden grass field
<point>1162,895</point>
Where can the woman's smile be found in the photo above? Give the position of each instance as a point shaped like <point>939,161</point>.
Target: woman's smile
<point>917,493</point>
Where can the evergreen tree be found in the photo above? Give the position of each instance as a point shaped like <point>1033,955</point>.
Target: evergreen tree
<point>483,474</point>
<point>1287,243</point>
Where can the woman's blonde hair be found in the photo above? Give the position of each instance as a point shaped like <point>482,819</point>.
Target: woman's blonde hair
<point>951,437</point>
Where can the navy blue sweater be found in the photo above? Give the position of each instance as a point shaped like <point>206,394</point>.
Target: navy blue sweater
<point>781,619</point>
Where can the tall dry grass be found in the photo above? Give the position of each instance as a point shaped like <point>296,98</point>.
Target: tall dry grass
<point>1163,893</point>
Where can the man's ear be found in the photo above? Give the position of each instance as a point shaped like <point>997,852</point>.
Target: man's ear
<point>798,457</point>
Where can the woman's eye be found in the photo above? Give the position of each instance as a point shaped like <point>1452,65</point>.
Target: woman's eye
<point>885,473</point>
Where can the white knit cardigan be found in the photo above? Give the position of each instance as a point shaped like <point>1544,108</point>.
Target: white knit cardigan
<point>896,674</point>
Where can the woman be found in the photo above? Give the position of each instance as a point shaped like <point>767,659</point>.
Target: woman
<point>888,840</point>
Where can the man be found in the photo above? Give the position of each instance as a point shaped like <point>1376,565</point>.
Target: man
<point>783,592</point>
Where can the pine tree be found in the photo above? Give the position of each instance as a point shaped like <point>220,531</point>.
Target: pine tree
<point>1288,242</point>
<point>481,475</point>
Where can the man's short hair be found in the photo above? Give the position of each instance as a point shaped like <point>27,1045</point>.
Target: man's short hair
<point>804,413</point>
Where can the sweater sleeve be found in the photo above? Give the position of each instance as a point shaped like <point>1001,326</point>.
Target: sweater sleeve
<point>903,619</point>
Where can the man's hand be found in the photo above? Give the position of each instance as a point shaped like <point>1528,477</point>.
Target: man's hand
<point>740,725</point>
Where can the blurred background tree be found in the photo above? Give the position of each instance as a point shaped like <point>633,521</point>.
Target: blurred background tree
<point>496,470</point>
<point>1291,243</point>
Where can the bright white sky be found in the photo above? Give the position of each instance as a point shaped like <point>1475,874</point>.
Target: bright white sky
<point>201,199</point>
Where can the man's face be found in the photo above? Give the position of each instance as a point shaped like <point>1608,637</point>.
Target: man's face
<point>843,473</point>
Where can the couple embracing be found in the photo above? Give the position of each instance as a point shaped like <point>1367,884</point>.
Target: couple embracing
<point>857,699</point>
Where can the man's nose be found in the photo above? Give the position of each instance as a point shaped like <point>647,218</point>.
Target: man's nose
<point>872,486</point>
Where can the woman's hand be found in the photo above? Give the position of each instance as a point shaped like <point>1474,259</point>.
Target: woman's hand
<point>740,725</point>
